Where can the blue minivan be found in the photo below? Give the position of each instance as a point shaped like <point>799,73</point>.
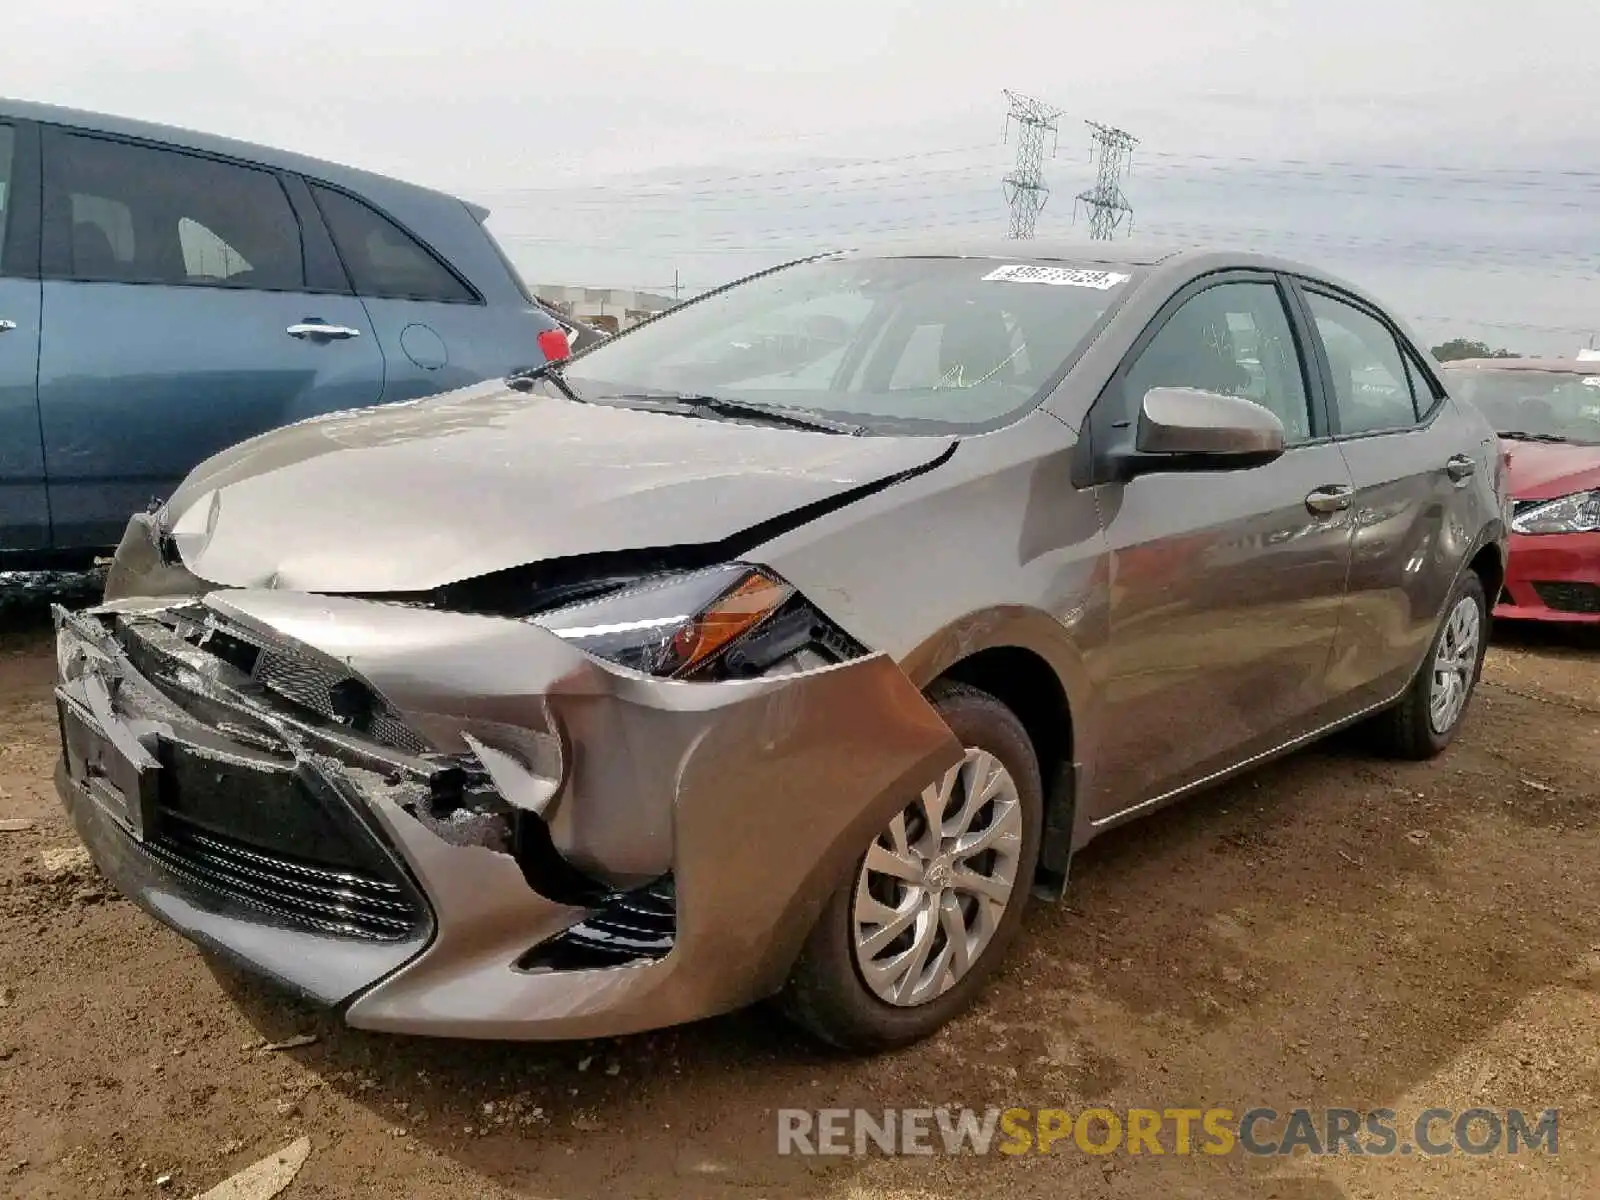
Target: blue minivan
<point>166,294</point>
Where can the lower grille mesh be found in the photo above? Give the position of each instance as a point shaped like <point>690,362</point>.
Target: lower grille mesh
<point>630,928</point>
<point>1570,597</point>
<point>343,903</point>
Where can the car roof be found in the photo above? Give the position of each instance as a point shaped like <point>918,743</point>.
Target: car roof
<point>353,178</point>
<point>1126,252</point>
<point>1570,366</point>
<point>1123,253</point>
<point>1174,264</point>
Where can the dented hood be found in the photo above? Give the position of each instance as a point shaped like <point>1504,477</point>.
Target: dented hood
<point>416,495</point>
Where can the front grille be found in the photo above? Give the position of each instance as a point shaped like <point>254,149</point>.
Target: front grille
<point>316,688</point>
<point>343,903</point>
<point>631,928</point>
<point>1569,597</point>
<point>323,692</point>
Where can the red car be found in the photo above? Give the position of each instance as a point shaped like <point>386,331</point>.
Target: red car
<point>1547,412</point>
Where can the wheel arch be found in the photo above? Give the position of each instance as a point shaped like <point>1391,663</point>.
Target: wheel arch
<point>1490,566</point>
<point>1023,658</point>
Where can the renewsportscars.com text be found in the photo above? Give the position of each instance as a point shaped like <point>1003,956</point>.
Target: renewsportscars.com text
<point>1178,1131</point>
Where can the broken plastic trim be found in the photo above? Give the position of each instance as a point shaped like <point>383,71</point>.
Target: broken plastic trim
<point>452,796</point>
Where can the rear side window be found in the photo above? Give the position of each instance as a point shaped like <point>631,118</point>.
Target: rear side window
<point>139,214</point>
<point>1423,396</point>
<point>1371,385</point>
<point>384,260</point>
<point>8,139</point>
<point>517,280</point>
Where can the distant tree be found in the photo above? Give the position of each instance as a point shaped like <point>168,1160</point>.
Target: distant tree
<point>1459,348</point>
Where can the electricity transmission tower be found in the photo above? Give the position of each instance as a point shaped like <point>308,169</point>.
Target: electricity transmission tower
<point>1113,151</point>
<point>1025,187</point>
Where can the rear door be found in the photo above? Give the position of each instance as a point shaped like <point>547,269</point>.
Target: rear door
<point>188,304</point>
<point>436,331</point>
<point>24,510</point>
<point>1226,586</point>
<point>1410,456</point>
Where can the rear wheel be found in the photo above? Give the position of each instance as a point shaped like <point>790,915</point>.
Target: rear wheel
<point>1427,717</point>
<point>910,939</point>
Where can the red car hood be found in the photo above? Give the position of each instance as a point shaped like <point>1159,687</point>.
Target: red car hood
<point>1545,470</point>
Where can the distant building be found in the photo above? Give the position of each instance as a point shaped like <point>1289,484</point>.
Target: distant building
<point>610,309</point>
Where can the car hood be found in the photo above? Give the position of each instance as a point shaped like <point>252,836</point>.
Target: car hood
<point>1545,470</point>
<point>412,496</point>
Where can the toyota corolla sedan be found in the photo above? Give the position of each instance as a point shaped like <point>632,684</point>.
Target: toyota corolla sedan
<point>1547,413</point>
<point>780,646</point>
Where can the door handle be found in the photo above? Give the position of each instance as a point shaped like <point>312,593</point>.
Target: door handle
<point>317,329</point>
<point>1330,498</point>
<point>1460,467</point>
<point>7,326</point>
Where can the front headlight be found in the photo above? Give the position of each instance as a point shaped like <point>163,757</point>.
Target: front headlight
<point>1577,513</point>
<point>729,621</point>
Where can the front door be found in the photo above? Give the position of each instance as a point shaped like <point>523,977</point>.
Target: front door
<point>1226,586</point>
<point>179,319</point>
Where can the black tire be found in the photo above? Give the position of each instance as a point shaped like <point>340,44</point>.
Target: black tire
<point>826,994</point>
<point>1406,730</point>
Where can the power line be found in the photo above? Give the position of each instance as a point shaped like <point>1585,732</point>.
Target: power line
<point>1025,189</point>
<point>1112,153</point>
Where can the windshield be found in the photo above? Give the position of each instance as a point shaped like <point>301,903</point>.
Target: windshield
<point>1553,404</point>
<point>894,345</point>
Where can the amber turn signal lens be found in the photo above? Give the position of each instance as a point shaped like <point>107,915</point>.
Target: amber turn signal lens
<point>739,610</point>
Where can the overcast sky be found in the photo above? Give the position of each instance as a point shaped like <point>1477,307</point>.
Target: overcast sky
<point>1425,146</point>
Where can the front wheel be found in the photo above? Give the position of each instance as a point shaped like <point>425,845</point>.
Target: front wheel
<point>910,939</point>
<point>1427,717</point>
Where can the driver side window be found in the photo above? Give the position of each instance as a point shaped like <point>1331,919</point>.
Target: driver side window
<point>1232,338</point>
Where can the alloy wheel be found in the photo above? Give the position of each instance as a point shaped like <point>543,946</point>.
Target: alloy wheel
<point>1455,663</point>
<point>935,884</point>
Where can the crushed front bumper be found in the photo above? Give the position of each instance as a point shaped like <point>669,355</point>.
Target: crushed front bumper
<point>718,817</point>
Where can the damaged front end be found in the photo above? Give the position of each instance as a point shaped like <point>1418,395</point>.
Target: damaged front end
<point>618,812</point>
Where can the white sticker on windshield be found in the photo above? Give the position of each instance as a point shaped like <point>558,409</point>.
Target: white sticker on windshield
<point>1058,276</point>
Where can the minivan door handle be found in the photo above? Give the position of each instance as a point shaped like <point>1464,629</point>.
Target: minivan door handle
<point>1460,467</point>
<point>320,329</point>
<point>7,326</point>
<point>1330,498</point>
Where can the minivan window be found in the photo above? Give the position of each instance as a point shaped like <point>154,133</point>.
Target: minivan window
<point>897,345</point>
<point>385,261</point>
<point>141,214</point>
<point>1371,389</point>
<point>8,140</point>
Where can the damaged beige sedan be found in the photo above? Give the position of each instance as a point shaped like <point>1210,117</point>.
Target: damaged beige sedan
<point>780,647</point>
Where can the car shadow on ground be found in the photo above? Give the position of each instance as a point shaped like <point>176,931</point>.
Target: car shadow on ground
<point>1259,943</point>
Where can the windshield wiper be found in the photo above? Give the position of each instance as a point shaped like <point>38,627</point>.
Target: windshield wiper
<point>723,406</point>
<point>1522,435</point>
<point>524,378</point>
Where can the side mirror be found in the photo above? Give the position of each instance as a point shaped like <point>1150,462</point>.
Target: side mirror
<point>1185,429</point>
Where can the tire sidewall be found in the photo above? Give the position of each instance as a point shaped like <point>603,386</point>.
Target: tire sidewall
<point>977,720</point>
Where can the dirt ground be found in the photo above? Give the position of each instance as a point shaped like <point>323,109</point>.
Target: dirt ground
<point>1332,931</point>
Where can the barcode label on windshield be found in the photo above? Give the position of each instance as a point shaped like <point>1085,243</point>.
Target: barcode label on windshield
<point>1058,276</point>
